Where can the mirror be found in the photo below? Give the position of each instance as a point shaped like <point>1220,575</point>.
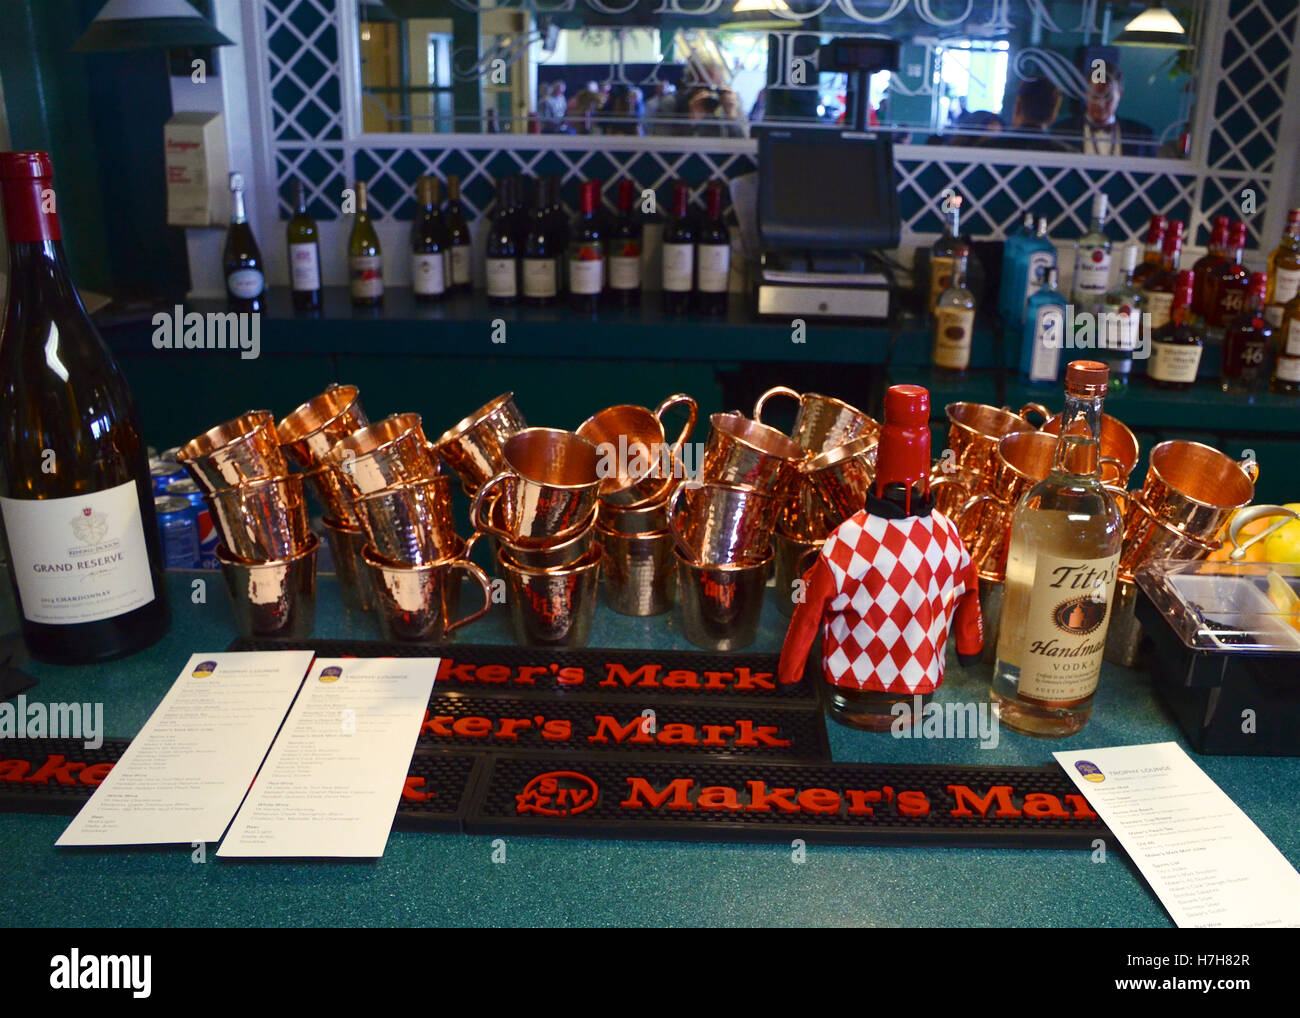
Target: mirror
<point>1021,74</point>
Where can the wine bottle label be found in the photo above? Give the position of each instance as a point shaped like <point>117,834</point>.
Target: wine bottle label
<point>1288,369</point>
<point>1036,271</point>
<point>79,559</point>
<point>1274,313</point>
<point>502,277</point>
<point>679,267</point>
<point>1160,306</point>
<point>246,283</point>
<point>1286,284</point>
<point>940,278</point>
<point>586,269</point>
<point>540,277</point>
<point>1045,360</point>
<point>429,274</point>
<point>953,328</point>
<point>1065,632</point>
<point>715,267</point>
<point>367,275</point>
<point>1174,362</point>
<point>304,267</point>
<point>625,272</point>
<point>1291,342</point>
<point>460,265</point>
<point>1091,272</point>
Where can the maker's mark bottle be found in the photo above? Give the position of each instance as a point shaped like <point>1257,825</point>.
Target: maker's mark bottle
<point>75,492</point>
<point>1062,563</point>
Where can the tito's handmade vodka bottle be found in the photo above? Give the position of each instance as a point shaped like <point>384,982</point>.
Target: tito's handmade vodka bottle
<point>1061,567</point>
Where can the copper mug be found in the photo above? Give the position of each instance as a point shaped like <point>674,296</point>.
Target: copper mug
<point>275,598</point>
<point>262,520</point>
<point>546,492</point>
<point>556,554</point>
<point>741,451</point>
<point>552,607</point>
<point>792,559</point>
<point>346,546</point>
<point>1194,488</point>
<point>637,466</point>
<point>410,521</point>
<point>720,524</point>
<point>334,500</point>
<point>643,520</point>
<point>1148,537</point>
<point>308,433</point>
<point>637,570</point>
<point>952,486</point>
<point>421,602</point>
<point>721,605</point>
<point>841,476</point>
<point>821,422</point>
<point>1119,447</point>
<point>382,454</point>
<point>243,449</point>
<point>475,447</point>
<point>974,430</point>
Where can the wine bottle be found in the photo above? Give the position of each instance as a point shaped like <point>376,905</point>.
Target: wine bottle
<point>502,263</point>
<point>429,243</point>
<point>76,496</point>
<point>304,254</point>
<point>713,255</point>
<point>242,261</point>
<point>365,257</point>
<point>586,252</point>
<point>541,276</point>
<point>458,237</point>
<point>678,254</point>
<point>625,249</point>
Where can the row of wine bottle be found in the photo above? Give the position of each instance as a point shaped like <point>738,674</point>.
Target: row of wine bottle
<point>535,254</point>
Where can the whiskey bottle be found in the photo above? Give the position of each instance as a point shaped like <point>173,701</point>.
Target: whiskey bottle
<point>1120,327</point>
<point>1214,257</point>
<point>954,322</point>
<point>1158,293</point>
<point>1227,284</point>
<point>1286,375</point>
<point>1062,562</point>
<point>943,255</point>
<point>1284,271</point>
<point>1248,343</point>
<point>1177,347</point>
<point>1153,258</point>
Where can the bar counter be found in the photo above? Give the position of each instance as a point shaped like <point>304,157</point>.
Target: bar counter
<point>450,879</point>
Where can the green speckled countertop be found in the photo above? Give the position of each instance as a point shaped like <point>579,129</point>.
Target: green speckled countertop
<point>449,879</point>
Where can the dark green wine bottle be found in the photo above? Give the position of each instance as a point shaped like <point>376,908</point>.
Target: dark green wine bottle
<point>242,261</point>
<point>304,254</point>
<point>365,258</point>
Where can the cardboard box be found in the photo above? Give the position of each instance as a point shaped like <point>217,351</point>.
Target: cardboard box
<point>195,149</point>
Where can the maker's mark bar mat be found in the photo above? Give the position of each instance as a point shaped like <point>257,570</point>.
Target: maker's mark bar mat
<point>505,668</point>
<point>823,803</point>
<point>562,724</point>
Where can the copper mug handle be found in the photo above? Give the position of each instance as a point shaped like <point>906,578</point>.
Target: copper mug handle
<point>1034,408</point>
<point>1250,515</point>
<point>463,563</point>
<point>1122,495</point>
<point>1251,469</point>
<point>480,512</point>
<point>776,390</point>
<point>673,499</point>
<point>692,408</point>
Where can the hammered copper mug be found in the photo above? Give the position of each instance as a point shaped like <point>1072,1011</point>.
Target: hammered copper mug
<point>841,477</point>
<point>475,446</point>
<point>974,432</point>
<point>546,492</point>
<point>243,449</point>
<point>552,607</point>
<point>382,454</point>
<point>262,520</point>
<point>311,430</point>
<point>637,465</point>
<point>721,604</point>
<point>410,521</point>
<point>821,422</point>
<point>421,602</point>
<point>275,598</point>
<point>1119,447</point>
<point>1194,487</point>
<point>720,524</point>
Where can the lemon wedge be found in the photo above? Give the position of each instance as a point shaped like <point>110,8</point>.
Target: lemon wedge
<point>1284,598</point>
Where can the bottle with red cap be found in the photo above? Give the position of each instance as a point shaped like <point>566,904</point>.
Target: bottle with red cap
<point>1062,564</point>
<point>1214,257</point>
<point>1158,292</point>
<point>1248,344</point>
<point>76,493</point>
<point>678,251</point>
<point>586,251</point>
<point>1153,256</point>
<point>713,255</point>
<point>625,249</point>
<point>1177,347</point>
<point>1227,285</point>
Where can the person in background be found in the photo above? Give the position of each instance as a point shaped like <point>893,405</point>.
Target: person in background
<point>1038,101</point>
<point>624,112</point>
<point>552,109</point>
<point>705,107</point>
<point>1100,131</point>
<point>584,107</point>
<point>975,123</point>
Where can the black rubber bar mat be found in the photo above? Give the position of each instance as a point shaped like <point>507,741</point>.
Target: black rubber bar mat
<point>660,725</point>
<point>504,668</point>
<point>759,800</point>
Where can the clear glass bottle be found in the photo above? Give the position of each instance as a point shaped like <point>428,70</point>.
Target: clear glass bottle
<point>1092,260</point>
<point>1062,562</point>
<point>1044,333</point>
<point>943,254</point>
<point>954,322</point>
<point>365,256</point>
<point>1120,328</point>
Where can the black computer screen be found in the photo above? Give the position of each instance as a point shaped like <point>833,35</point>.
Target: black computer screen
<point>821,189</point>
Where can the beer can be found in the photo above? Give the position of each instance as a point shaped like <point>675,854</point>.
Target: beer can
<point>172,454</point>
<point>180,532</point>
<point>165,472</point>
<point>208,536</point>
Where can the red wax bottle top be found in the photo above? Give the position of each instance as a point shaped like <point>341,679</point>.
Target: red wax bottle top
<point>1258,286</point>
<point>904,453</point>
<point>713,200</point>
<point>1237,236</point>
<point>26,181</point>
<point>1184,288</point>
<point>626,195</point>
<point>1156,229</point>
<point>589,196</point>
<point>1087,378</point>
<point>681,199</point>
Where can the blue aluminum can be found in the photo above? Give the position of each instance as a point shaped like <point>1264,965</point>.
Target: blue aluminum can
<point>179,530</point>
<point>165,472</point>
<point>208,536</point>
